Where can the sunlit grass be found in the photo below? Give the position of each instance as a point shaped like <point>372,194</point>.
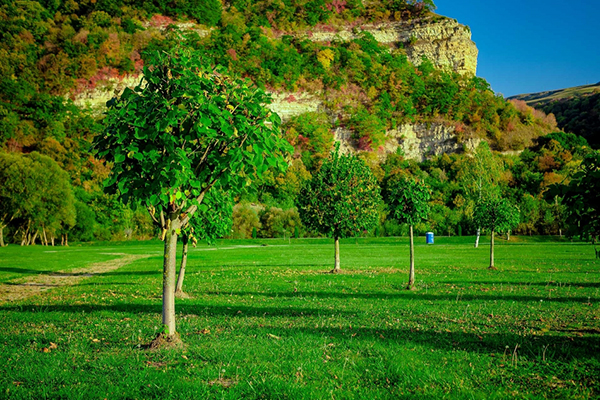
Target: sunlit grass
<point>269,322</point>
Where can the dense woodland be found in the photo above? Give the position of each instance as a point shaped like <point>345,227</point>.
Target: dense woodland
<point>51,185</point>
<point>579,114</point>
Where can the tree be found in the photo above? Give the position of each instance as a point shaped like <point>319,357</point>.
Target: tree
<point>207,225</point>
<point>35,196</point>
<point>184,129</point>
<point>480,177</point>
<point>407,199</point>
<point>581,196</point>
<point>497,215</point>
<point>341,199</point>
<point>12,190</point>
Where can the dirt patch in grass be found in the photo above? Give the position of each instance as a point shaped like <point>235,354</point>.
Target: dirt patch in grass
<point>164,342</point>
<point>223,382</point>
<point>23,288</point>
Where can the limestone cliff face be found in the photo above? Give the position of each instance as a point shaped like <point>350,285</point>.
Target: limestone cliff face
<point>414,141</point>
<point>445,42</point>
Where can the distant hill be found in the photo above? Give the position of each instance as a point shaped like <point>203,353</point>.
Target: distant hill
<point>577,109</point>
<point>541,98</point>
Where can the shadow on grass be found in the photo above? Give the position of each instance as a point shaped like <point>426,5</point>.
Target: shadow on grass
<point>84,274</point>
<point>551,284</point>
<point>558,347</point>
<point>413,295</point>
<point>25,271</point>
<point>563,346</point>
<point>196,309</point>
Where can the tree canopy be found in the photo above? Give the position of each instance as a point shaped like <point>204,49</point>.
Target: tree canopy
<point>581,196</point>
<point>342,198</point>
<point>35,196</point>
<point>496,214</point>
<point>408,199</point>
<point>186,128</point>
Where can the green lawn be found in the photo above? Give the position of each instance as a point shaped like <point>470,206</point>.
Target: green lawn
<point>268,322</point>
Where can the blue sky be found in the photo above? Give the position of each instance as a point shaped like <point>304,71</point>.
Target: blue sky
<point>532,45</point>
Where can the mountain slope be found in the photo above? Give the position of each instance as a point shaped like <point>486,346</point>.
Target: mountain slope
<point>577,109</point>
<point>541,98</point>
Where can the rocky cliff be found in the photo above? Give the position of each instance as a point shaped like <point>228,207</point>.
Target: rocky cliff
<point>443,41</point>
<point>415,141</point>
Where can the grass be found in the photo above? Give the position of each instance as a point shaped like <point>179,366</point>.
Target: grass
<point>267,322</point>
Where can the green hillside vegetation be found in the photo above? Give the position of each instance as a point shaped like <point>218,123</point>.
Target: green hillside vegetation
<point>580,115</point>
<point>576,109</point>
<point>54,51</point>
<point>543,98</point>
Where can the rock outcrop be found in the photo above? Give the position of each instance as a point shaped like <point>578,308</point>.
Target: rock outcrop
<point>414,141</point>
<point>445,42</point>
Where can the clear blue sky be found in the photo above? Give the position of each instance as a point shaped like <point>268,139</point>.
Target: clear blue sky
<point>531,46</point>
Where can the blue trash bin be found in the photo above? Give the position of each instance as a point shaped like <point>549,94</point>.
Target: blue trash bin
<point>429,237</point>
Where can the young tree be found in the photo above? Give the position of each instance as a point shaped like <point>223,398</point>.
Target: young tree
<point>480,177</point>
<point>184,129</point>
<point>408,199</point>
<point>581,196</point>
<point>207,225</point>
<point>497,215</point>
<point>341,199</point>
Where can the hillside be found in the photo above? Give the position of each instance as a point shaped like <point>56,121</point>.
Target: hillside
<point>391,80</point>
<point>576,109</point>
<point>542,98</point>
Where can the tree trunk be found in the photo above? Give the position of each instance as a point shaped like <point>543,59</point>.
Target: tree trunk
<point>508,236</point>
<point>66,239</point>
<point>336,265</point>
<point>62,240</point>
<point>169,273</point>
<point>492,252</point>
<point>25,240</point>
<point>477,238</point>
<point>2,236</point>
<point>411,273</point>
<point>52,239</point>
<point>45,237</point>
<point>179,288</point>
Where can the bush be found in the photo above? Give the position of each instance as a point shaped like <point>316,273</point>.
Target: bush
<point>279,223</point>
<point>245,220</point>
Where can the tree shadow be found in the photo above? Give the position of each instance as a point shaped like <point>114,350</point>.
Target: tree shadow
<point>558,347</point>
<point>25,271</point>
<point>564,346</point>
<point>550,284</point>
<point>182,307</point>
<point>413,295</point>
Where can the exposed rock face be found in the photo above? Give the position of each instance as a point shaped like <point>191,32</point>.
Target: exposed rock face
<point>415,141</point>
<point>104,91</point>
<point>287,105</point>
<point>445,42</point>
<point>419,141</point>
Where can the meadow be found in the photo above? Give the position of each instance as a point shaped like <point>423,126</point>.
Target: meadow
<point>266,321</point>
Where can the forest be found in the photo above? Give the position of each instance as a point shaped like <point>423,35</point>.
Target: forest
<point>579,114</point>
<point>52,184</point>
